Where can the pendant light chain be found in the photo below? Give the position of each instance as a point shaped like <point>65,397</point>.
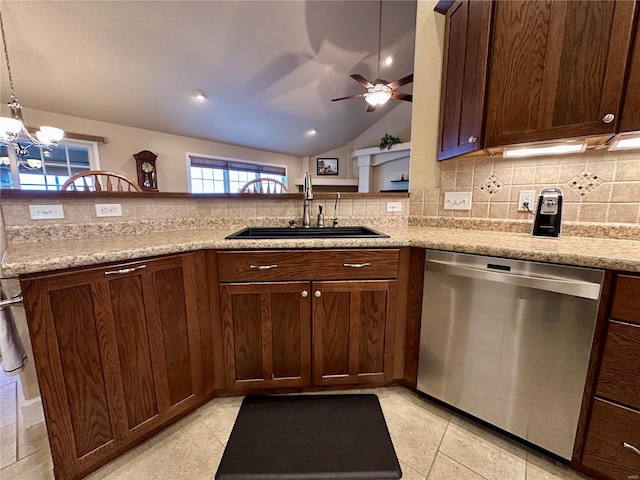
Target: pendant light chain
<point>6,56</point>
<point>379,35</point>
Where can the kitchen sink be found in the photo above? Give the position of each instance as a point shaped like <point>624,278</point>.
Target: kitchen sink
<point>312,232</point>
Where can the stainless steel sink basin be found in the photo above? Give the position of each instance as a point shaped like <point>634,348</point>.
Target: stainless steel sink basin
<point>313,232</point>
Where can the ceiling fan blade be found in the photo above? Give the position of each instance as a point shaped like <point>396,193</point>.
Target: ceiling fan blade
<point>401,82</point>
<point>371,108</point>
<point>344,98</point>
<point>402,96</point>
<point>360,79</point>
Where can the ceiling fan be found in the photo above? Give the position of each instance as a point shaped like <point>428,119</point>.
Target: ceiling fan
<point>380,91</point>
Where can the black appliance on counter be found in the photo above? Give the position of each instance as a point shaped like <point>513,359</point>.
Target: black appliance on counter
<point>548,221</point>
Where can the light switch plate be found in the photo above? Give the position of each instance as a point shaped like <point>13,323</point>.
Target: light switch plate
<point>394,207</point>
<point>457,200</point>
<point>108,210</point>
<point>46,212</point>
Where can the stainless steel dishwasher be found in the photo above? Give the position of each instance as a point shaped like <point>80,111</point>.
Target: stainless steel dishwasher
<point>508,341</point>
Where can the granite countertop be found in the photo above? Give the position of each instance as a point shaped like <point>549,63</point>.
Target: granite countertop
<point>25,258</point>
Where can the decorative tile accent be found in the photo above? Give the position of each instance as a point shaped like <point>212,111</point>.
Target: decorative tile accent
<point>491,185</point>
<point>584,183</point>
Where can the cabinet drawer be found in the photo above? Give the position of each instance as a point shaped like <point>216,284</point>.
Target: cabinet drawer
<point>268,265</point>
<point>619,378</point>
<point>625,299</point>
<point>610,429</point>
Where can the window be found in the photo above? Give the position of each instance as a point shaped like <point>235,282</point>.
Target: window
<point>41,169</point>
<point>213,175</point>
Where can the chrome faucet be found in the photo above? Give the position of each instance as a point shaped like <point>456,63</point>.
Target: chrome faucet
<point>308,197</point>
<point>335,211</point>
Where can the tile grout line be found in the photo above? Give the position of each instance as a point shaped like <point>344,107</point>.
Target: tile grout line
<point>463,465</point>
<point>438,449</point>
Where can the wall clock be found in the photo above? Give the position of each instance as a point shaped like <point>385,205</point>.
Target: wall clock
<point>147,172</point>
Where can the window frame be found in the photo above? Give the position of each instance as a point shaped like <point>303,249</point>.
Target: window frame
<point>217,158</point>
<point>93,152</point>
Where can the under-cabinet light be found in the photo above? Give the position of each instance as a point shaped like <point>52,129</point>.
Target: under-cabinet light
<point>544,149</point>
<point>625,143</point>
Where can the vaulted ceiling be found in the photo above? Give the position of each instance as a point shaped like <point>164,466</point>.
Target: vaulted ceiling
<point>270,68</point>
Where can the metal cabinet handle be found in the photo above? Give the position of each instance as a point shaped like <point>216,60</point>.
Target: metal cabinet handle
<point>356,265</point>
<point>125,270</point>
<point>630,447</point>
<point>608,118</point>
<point>262,267</point>
<point>11,301</point>
<point>473,139</point>
<point>305,294</point>
<point>318,294</point>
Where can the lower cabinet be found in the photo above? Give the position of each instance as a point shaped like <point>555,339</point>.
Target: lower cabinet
<point>353,331</point>
<point>612,439</point>
<point>118,355</point>
<point>267,335</point>
<point>308,318</point>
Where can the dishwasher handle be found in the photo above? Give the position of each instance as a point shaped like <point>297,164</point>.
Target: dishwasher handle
<point>576,288</point>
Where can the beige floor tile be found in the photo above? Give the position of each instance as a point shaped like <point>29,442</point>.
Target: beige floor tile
<point>487,453</point>
<point>32,439</point>
<point>8,404</point>
<point>416,428</point>
<point>220,415</point>
<point>8,445</point>
<point>190,451</point>
<point>409,473</point>
<point>444,468</point>
<point>541,467</point>
<point>34,467</point>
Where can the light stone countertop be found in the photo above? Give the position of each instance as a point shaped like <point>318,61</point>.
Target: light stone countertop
<point>25,258</point>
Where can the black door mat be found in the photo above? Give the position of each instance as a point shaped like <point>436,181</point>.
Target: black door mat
<point>310,437</point>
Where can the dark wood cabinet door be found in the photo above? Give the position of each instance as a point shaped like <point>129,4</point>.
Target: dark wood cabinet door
<point>557,69</point>
<point>353,331</point>
<point>267,336</point>
<point>630,121</point>
<point>117,352</point>
<point>464,74</point>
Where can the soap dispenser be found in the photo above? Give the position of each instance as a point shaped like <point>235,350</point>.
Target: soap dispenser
<point>548,221</point>
<point>320,217</point>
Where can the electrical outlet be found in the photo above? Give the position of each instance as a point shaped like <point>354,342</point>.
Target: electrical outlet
<point>108,210</point>
<point>394,207</point>
<point>528,197</point>
<point>46,212</point>
<point>457,201</point>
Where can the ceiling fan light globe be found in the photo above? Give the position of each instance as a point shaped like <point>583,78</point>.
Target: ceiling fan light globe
<point>378,98</point>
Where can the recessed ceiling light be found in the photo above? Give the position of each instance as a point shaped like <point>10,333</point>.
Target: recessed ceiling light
<point>200,95</point>
<point>313,131</point>
<point>388,61</point>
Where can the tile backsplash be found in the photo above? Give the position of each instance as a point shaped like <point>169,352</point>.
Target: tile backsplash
<point>597,187</point>
<point>142,215</point>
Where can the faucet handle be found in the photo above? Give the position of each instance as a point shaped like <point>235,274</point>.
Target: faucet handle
<point>292,224</point>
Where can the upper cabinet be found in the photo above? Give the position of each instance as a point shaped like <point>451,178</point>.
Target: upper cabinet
<point>467,29</point>
<point>630,121</point>
<point>556,70</point>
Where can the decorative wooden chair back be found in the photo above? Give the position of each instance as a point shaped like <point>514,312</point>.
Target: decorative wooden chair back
<point>100,181</point>
<point>264,185</point>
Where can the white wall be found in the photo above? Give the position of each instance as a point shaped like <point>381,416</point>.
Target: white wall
<point>427,71</point>
<point>123,142</point>
<point>397,123</point>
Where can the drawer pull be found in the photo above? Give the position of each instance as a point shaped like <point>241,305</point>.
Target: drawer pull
<point>125,270</point>
<point>630,447</point>
<point>305,294</point>
<point>356,265</point>
<point>11,301</point>
<point>318,294</point>
<point>262,267</point>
